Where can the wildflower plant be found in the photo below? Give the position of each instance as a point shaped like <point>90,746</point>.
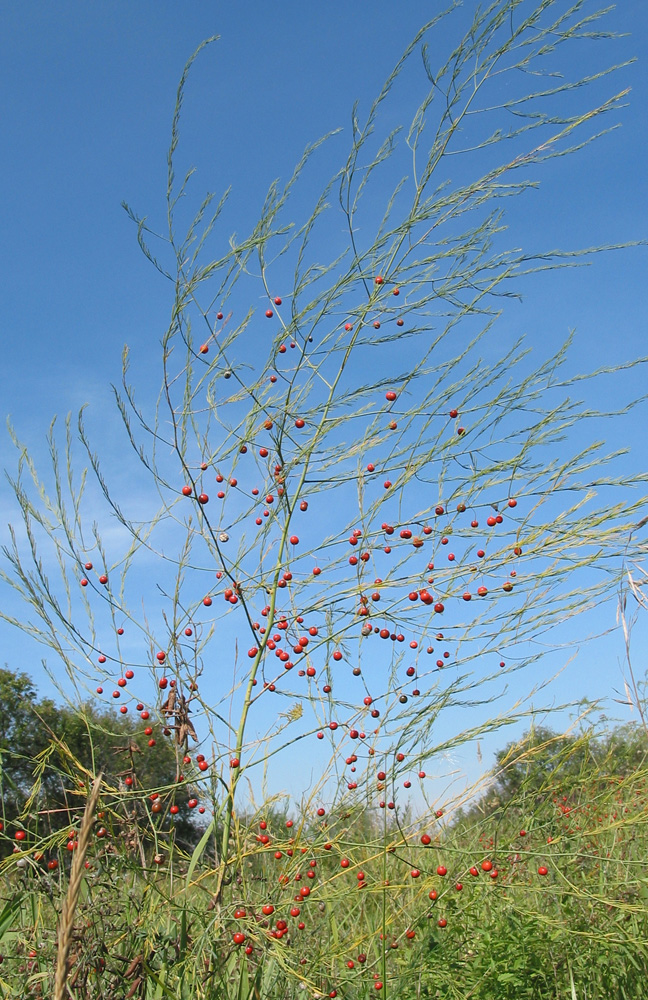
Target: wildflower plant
<point>359,514</point>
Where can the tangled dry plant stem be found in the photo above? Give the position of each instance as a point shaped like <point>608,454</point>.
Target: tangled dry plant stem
<point>66,921</point>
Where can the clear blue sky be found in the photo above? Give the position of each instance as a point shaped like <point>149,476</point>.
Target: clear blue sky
<point>88,93</point>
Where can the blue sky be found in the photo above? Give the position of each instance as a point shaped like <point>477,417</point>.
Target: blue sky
<point>88,96</point>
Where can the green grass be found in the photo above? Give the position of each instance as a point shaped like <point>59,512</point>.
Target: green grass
<point>166,930</point>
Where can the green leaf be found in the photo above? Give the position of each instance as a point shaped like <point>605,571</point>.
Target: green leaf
<point>8,914</point>
<point>244,985</point>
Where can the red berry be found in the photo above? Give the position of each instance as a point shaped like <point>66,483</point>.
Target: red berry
<point>186,491</point>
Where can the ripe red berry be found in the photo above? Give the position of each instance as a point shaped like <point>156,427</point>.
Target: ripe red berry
<point>186,491</point>
<point>203,498</point>
<point>542,870</point>
<point>269,313</point>
<point>391,396</point>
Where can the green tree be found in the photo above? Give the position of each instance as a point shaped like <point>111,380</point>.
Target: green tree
<point>47,750</point>
<point>545,764</point>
